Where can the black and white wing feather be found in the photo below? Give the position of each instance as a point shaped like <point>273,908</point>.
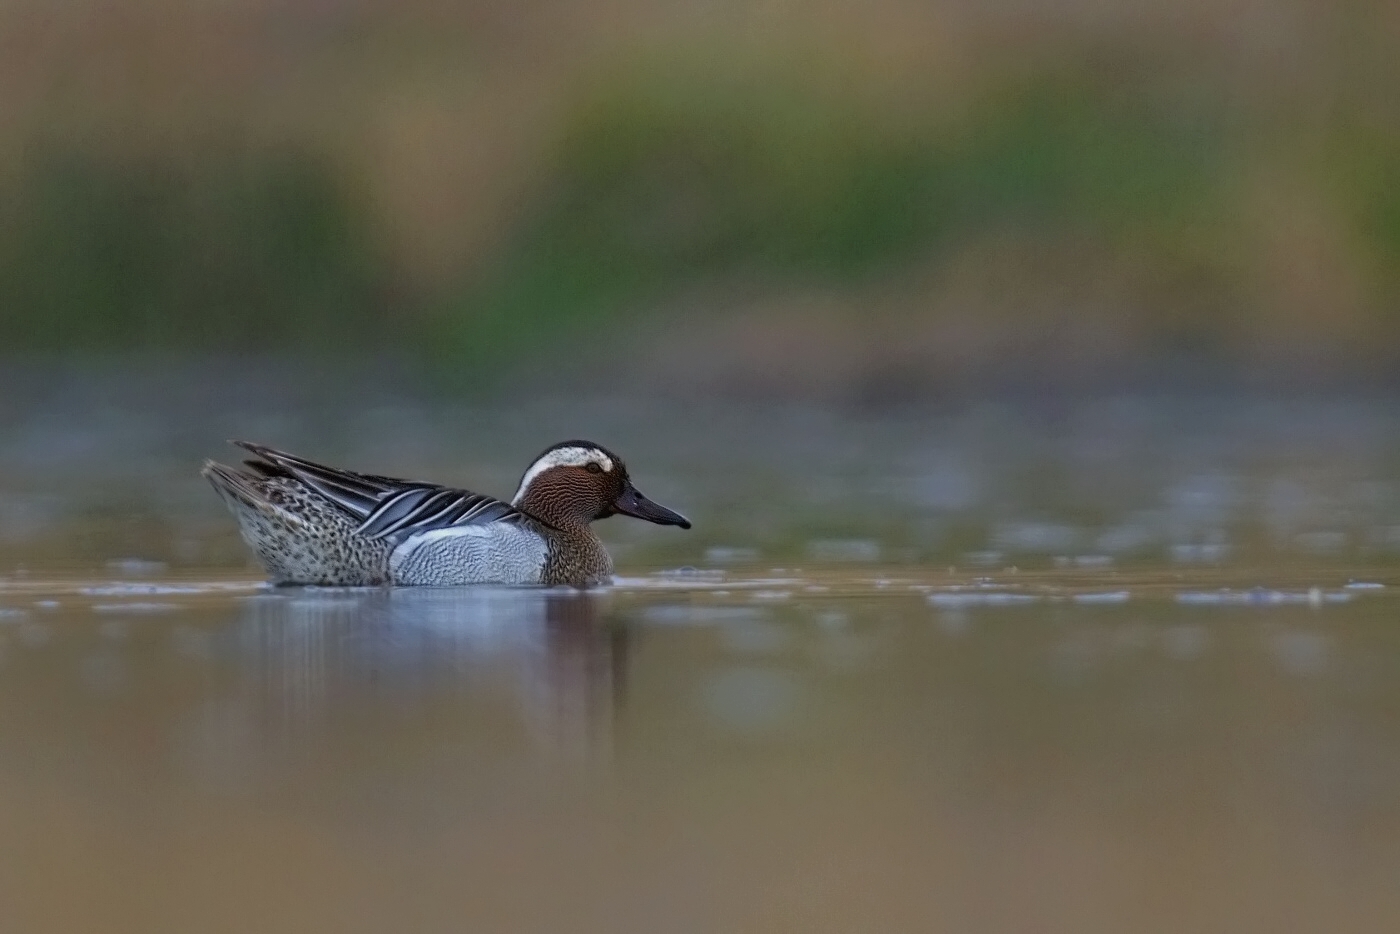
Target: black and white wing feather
<point>424,508</point>
<point>388,508</point>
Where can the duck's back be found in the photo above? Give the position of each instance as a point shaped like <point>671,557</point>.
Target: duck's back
<point>313,524</point>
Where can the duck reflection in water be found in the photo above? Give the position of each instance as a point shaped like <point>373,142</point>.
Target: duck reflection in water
<point>317,662</point>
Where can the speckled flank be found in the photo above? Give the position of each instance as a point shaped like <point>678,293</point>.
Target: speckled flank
<point>299,537</point>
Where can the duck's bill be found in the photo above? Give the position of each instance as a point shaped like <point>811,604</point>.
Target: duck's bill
<point>634,504</point>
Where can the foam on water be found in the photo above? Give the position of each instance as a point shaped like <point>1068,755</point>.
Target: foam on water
<point>942,588</point>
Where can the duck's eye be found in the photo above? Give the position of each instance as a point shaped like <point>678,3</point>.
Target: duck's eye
<point>593,467</point>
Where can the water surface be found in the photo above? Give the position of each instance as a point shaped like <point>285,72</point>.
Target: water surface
<point>1076,666</point>
<point>738,750</point>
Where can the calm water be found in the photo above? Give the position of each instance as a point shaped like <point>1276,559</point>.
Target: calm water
<point>1105,666</point>
<point>732,753</point>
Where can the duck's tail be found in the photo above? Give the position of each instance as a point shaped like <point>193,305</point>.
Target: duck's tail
<point>237,488</point>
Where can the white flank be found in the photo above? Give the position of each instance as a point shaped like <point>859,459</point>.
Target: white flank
<point>562,457</point>
<point>494,553</point>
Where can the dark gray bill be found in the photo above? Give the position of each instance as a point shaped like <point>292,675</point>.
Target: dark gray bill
<point>633,503</point>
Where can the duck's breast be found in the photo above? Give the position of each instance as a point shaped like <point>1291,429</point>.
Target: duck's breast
<point>490,553</point>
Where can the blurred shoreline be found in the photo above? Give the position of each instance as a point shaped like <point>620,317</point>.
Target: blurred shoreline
<point>802,198</point>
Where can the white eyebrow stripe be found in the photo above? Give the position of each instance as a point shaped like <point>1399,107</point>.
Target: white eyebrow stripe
<point>562,457</point>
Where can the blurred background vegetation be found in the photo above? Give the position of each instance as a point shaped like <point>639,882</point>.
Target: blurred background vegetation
<point>880,199</point>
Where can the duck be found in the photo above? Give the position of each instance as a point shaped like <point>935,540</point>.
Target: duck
<point>311,524</point>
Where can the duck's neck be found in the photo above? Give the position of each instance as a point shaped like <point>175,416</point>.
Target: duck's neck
<point>554,513</point>
<point>576,553</point>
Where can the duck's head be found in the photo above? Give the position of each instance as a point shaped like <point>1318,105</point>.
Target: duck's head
<point>576,482</point>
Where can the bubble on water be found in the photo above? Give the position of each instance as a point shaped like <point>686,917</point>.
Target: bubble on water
<point>711,580</point>
<point>128,588</point>
<point>1114,596</point>
<point>1266,596</point>
<point>771,595</point>
<point>1364,585</point>
<point>1206,598</point>
<point>751,701</point>
<point>995,598</point>
<point>49,605</point>
<point>1301,653</point>
<point>135,607</point>
<point>689,573</point>
<point>8,614</point>
<point>1255,596</point>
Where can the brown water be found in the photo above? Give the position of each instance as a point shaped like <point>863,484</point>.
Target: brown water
<point>1116,665</point>
<point>702,751</point>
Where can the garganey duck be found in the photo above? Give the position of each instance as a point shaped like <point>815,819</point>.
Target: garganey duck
<point>313,524</point>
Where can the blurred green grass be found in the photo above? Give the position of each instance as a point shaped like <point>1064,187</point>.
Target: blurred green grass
<point>1151,174</point>
<point>659,186</point>
<point>220,253</point>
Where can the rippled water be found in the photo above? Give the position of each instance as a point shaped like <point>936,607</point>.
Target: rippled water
<point>105,473</point>
<point>1085,666</point>
<point>702,751</point>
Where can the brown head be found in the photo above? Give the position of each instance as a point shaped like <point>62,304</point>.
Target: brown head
<point>576,482</point>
